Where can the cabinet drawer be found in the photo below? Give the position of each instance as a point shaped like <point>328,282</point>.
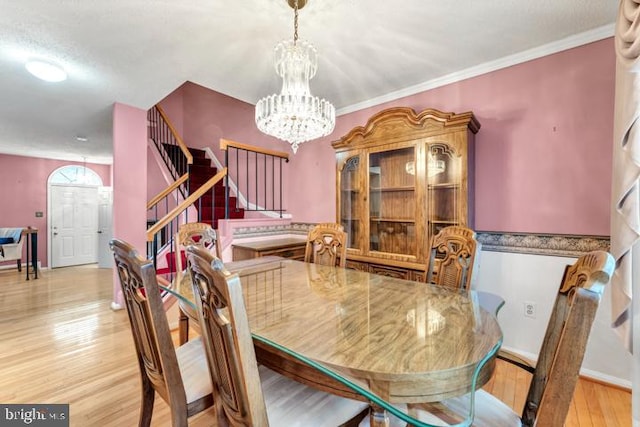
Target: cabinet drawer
<point>398,273</point>
<point>293,253</point>
<point>355,265</point>
<point>285,248</point>
<point>418,276</point>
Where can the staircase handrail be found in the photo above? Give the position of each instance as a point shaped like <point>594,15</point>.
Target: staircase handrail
<point>179,141</point>
<point>151,232</point>
<point>164,193</point>
<point>224,143</point>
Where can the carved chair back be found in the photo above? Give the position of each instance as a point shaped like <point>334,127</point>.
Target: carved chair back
<point>562,351</point>
<point>556,372</point>
<point>156,354</point>
<point>228,343</point>
<point>197,234</point>
<point>453,258</point>
<point>327,245</point>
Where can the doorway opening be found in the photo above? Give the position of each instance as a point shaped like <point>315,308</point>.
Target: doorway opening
<point>75,212</point>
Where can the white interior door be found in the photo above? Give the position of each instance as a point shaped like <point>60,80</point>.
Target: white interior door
<point>74,225</point>
<point>105,215</point>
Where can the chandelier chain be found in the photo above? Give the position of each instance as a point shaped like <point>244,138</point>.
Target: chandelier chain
<point>295,21</point>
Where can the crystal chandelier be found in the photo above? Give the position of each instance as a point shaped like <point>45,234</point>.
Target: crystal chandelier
<point>294,115</point>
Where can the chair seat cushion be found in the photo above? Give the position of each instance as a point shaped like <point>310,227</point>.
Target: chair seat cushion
<point>292,404</point>
<point>6,240</point>
<point>191,359</point>
<point>14,233</point>
<point>489,412</point>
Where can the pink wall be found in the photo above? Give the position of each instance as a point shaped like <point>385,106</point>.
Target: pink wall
<point>543,153</point>
<point>208,116</point>
<point>129,180</point>
<point>156,181</point>
<point>173,106</point>
<point>24,192</point>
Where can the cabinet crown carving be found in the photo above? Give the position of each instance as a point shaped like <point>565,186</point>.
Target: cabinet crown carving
<point>405,121</point>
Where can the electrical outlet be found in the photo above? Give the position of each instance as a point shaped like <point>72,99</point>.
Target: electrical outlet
<point>530,309</point>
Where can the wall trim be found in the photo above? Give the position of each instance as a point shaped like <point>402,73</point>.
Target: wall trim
<point>272,230</point>
<point>566,245</point>
<point>570,42</point>
<point>542,244</point>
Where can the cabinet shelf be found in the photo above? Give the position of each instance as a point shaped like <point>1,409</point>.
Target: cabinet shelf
<point>380,219</point>
<point>386,189</point>
<point>447,185</point>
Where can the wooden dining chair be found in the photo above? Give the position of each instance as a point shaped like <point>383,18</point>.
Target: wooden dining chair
<point>556,372</point>
<point>198,234</point>
<point>453,258</point>
<point>246,394</point>
<point>179,375</point>
<point>327,245</point>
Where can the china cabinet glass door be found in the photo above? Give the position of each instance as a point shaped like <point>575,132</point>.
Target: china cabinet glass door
<point>392,201</point>
<point>444,178</point>
<point>350,195</point>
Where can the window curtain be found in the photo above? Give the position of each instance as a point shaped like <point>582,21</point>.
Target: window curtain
<point>625,203</point>
<point>625,215</point>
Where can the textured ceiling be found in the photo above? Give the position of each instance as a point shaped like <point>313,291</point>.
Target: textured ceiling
<point>137,51</point>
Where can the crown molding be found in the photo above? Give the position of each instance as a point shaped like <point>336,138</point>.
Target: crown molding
<point>570,42</point>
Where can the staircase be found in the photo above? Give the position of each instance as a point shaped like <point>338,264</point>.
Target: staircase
<point>211,205</point>
<point>198,188</point>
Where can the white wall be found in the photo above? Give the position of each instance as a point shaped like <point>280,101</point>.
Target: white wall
<point>535,278</point>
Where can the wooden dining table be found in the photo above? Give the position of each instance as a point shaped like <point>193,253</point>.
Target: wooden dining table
<point>404,341</point>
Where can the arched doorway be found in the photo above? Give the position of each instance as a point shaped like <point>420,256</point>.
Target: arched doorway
<point>73,216</point>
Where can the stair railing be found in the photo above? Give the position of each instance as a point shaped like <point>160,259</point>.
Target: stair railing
<point>163,203</point>
<point>257,174</point>
<point>178,160</point>
<point>172,149</point>
<point>160,233</point>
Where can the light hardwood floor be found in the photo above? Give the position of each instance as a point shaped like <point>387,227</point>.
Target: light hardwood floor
<point>61,343</point>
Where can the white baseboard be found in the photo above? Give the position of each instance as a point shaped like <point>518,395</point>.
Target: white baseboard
<point>14,265</point>
<point>586,373</point>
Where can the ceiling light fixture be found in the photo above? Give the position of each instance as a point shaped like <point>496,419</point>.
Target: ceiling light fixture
<point>295,115</point>
<point>46,71</point>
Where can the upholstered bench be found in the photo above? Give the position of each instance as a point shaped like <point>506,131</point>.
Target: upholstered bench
<point>11,245</point>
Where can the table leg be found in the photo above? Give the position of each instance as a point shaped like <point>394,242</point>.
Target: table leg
<point>378,416</point>
<point>183,327</point>
<point>28,237</point>
<point>34,254</point>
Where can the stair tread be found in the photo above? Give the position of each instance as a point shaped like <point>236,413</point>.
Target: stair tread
<point>196,152</point>
<point>212,203</point>
<point>198,169</point>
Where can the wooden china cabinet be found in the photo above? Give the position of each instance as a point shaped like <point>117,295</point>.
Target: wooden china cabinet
<point>401,178</point>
